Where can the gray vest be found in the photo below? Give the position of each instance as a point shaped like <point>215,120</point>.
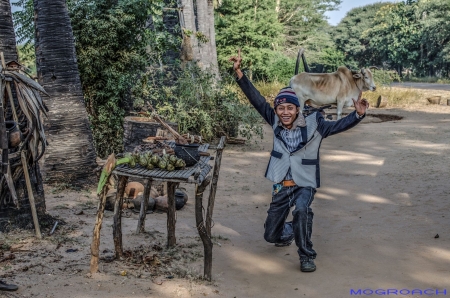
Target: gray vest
<point>304,162</point>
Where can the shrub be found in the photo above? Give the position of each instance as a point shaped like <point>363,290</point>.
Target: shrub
<point>202,104</point>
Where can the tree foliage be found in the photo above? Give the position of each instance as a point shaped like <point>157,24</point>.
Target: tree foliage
<point>111,43</point>
<point>412,35</point>
<point>349,36</point>
<point>251,25</point>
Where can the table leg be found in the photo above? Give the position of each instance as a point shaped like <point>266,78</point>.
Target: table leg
<point>215,180</point>
<point>117,226</point>
<point>171,214</point>
<point>207,243</point>
<point>95,246</point>
<point>144,205</point>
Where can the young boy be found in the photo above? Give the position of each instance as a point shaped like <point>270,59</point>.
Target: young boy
<point>294,163</point>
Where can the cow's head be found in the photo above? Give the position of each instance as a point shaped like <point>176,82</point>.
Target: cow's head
<point>365,75</point>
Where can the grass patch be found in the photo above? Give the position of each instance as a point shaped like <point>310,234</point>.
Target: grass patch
<point>219,237</point>
<point>397,97</point>
<point>269,89</point>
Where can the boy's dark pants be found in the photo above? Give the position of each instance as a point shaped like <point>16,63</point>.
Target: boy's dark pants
<point>277,230</point>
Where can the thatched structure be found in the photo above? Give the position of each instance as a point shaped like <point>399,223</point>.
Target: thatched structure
<point>21,109</point>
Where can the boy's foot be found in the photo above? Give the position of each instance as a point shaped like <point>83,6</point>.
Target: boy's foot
<point>285,243</point>
<point>6,287</point>
<point>307,265</point>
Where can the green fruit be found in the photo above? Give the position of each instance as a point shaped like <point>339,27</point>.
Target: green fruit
<point>132,163</point>
<point>173,159</point>
<point>162,164</point>
<point>179,163</point>
<point>150,166</point>
<point>143,161</point>
<point>170,167</point>
<point>154,160</point>
<point>147,155</point>
<point>136,158</point>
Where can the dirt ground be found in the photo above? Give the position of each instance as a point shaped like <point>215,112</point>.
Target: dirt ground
<point>383,202</point>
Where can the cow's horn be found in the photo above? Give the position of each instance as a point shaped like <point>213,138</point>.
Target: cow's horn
<point>373,67</point>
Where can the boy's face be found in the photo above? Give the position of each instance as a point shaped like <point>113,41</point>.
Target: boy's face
<point>287,113</point>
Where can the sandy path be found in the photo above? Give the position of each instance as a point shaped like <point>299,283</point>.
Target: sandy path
<point>424,86</point>
<point>384,198</point>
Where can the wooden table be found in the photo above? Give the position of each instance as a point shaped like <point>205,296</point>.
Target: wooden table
<point>197,174</point>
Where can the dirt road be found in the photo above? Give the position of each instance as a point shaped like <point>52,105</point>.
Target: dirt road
<point>384,199</point>
<point>423,86</point>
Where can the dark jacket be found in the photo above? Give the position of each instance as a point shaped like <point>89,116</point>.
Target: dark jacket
<point>304,161</point>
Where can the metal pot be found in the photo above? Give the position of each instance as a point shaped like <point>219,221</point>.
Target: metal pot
<point>15,136</point>
<point>189,153</point>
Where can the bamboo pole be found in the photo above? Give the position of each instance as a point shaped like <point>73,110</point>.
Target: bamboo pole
<point>30,195</point>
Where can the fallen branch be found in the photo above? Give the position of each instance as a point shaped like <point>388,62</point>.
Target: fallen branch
<point>176,135</point>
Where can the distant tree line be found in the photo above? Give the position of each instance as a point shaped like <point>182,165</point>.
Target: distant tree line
<point>411,36</point>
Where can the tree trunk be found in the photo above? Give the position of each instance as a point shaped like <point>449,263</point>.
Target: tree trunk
<point>212,39</point>
<point>187,21</point>
<point>7,35</point>
<point>70,156</point>
<point>203,28</point>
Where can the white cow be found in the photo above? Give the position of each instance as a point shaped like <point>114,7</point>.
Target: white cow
<point>332,88</point>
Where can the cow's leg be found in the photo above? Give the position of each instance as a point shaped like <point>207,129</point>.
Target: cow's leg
<point>340,105</point>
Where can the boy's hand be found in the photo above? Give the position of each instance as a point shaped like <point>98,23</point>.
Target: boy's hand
<point>237,64</point>
<point>361,105</point>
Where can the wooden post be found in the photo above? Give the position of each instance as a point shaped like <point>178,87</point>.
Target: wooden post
<point>8,90</point>
<point>215,179</point>
<point>117,226</point>
<point>144,205</point>
<point>207,243</point>
<point>171,214</point>
<point>95,246</point>
<point>30,195</point>
<point>382,102</point>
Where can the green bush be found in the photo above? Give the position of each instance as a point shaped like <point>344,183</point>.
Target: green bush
<point>202,104</point>
<point>385,77</point>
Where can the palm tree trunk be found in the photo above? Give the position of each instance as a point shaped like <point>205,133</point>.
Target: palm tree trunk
<point>7,35</point>
<point>70,157</point>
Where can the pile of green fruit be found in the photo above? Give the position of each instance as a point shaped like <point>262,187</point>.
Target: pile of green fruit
<point>152,161</point>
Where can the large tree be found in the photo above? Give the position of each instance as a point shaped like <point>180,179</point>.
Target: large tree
<point>7,35</point>
<point>253,26</point>
<point>395,35</point>
<point>71,156</point>
<point>435,38</point>
<point>349,38</point>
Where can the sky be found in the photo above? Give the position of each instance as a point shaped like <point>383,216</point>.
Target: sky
<point>336,16</point>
